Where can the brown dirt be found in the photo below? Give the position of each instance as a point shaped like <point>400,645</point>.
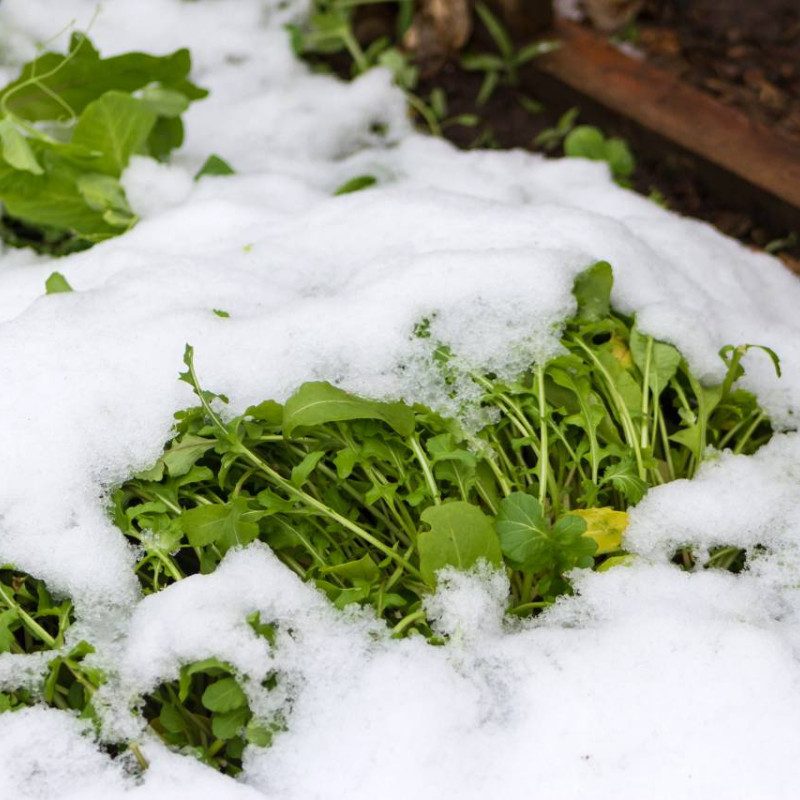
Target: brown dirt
<point>745,53</point>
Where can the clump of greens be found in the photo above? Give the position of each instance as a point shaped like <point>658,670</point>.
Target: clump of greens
<point>32,621</point>
<point>69,125</point>
<point>369,499</point>
<point>206,711</point>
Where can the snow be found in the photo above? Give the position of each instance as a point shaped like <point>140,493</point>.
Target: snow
<point>649,682</point>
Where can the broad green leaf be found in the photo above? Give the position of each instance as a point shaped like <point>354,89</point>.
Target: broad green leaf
<point>55,86</point>
<point>623,476</point>
<point>167,135</point>
<point>7,618</point>
<point>171,718</point>
<point>224,695</point>
<point>258,734</point>
<point>52,199</point>
<point>56,284</point>
<point>269,411</point>
<point>592,290</point>
<point>164,102</point>
<point>521,523</point>
<point>662,363</point>
<point>620,159</point>
<point>224,524</point>
<point>105,194</point>
<point>460,535</point>
<point>116,125</point>
<point>530,543</point>
<point>214,165</point>
<point>356,184</point>
<point>210,666</point>
<point>228,724</point>
<point>605,525</point>
<point>364,569</point>
<point>319,402</point>
<point>185,452</point>
<point>585,141</point>
<point>16,150</point>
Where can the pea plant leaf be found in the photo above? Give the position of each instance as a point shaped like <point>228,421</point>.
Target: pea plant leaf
<point>16,149</point>
<point>64,190</point>
<point>319,402</point>
<point>56,86</point>
<point>460,535</point>
<point>117,126</point>
<point>52,199</point>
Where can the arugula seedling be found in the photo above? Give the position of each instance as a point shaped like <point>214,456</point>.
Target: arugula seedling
<point>586,141</point>
<point>504,66</point>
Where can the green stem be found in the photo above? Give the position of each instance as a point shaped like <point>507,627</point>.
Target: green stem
<point>416,447</point>
<point>544,455</point>
<point>408,620</point>
<point>749,432</point>
<point>422,109</point>
<point>27,620</point>
<point>323,509</point>
<point>624,415</point>
<point>645,439</point>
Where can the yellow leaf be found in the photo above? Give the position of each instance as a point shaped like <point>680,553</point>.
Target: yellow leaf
<point>620,351</point>
<point>605,526</point>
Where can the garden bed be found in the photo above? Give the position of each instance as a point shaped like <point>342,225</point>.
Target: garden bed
<point>340,462</point>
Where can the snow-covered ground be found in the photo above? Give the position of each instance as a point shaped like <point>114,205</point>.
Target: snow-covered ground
<point>650,682</point>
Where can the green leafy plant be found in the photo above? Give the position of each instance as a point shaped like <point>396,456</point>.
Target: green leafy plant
<point>69,125</point>
<point>33,621</point>
<point>586,141</point>
<point>369,499</point>
<point>207,712</point>
<point>503,66</point>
